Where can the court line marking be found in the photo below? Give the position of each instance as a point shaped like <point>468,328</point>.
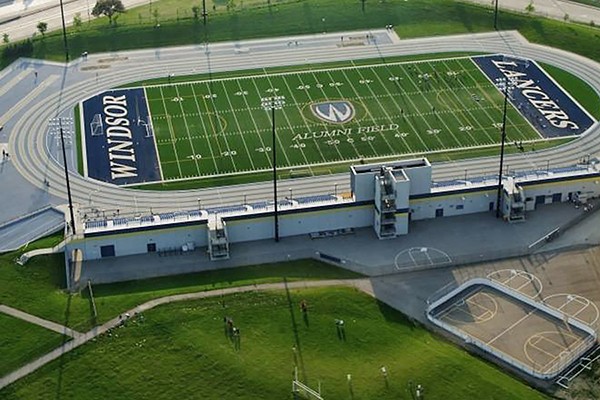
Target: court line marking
<point>575,297</point>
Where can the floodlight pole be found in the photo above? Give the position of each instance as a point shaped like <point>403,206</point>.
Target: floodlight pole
<point>273,149</point>
<point>496,15</point>
<point>64,29</point>
<point>204,12</point>
<point>64,153</point>
<point>503,140</point>
<point>272,103</point>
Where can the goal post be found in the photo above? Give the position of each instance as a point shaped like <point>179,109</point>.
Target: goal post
<point>96,126</point>
<point>299,388</point>
<point>146,124</point>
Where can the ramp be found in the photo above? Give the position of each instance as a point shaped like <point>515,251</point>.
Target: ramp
<point>18,232</point>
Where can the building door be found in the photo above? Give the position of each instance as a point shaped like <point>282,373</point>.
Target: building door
<point>439,212</point>
<point>491,206</point>
<point>557,197</point>
<point>107,251</point>
<point>540,200</point>
<point>151,247</point>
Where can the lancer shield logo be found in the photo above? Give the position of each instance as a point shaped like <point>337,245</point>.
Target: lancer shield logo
<point>337,112</point>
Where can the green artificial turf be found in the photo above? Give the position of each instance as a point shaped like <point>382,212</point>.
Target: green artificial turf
<point>218,127</point>
<point>182,350</point>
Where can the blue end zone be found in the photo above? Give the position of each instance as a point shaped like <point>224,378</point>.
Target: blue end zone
<point>537,97</point>
<point>121,150</point>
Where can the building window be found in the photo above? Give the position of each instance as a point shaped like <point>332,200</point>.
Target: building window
<point>151,247</point>
<point>460,206</point>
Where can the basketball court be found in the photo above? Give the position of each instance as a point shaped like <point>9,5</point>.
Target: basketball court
<point>530,338</point>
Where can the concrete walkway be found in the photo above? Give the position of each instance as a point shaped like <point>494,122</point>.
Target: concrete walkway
<point>44,323</point>
<point>363,285</point>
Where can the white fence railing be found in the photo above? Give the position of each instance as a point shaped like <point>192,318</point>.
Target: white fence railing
<point>551,372</point>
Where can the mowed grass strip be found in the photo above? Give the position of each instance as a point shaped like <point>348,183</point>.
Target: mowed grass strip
<point>38,287</point>
<point>21,342</point>
<point>219,127</point>
<point>182,350</point>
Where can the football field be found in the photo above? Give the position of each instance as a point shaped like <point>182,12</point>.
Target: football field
<point>326,115</point>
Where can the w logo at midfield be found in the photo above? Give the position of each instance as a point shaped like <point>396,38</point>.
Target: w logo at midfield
<point>337,112</point>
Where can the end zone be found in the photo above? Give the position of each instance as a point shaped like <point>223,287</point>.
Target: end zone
<point>117,137</point>
<point>537,97</point>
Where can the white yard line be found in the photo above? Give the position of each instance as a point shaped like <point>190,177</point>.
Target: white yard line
<point>367,112</point>
<point>260,75</point>
<point>187,129</point>
<point>257,129</point>
<point>206,135</point>
<point>153,136</point>
<point>277,137</point>
<point>217,134</point>
<point>171,132</point>
<point>399,107</point>
<point>407,75</point>
<point>490,100</point>
<point>323,125</point>
<point>459,105</point>
<point>239,127</point>
<point>435,114</point>
<point>308,128</point>
<point>387,115</point>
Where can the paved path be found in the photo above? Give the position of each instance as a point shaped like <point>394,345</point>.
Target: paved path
<point>44,323</point>
<point>79,339</point>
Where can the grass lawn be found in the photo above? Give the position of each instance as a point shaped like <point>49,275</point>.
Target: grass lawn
<point>411,19</point>
<point>21,342</point>
<point>182,350</point>
<point>585,95</point>
<point>38,287</point>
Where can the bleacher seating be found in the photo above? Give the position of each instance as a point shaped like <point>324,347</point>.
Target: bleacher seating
<point>95,224</point>
<point>315,199</point>
<point>120,221</point>
<point>261,205</point>
<point>226,209</point>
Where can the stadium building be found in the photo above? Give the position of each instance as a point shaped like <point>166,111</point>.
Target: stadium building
<point>386,197</point>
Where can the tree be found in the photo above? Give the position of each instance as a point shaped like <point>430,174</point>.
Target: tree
<point>110,8</point>
<point>530,7</point>
<point>42,27</point>
<point>77,22</point>
<point>5,38</point>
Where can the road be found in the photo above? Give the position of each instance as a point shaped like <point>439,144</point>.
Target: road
<point>19,19</point>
